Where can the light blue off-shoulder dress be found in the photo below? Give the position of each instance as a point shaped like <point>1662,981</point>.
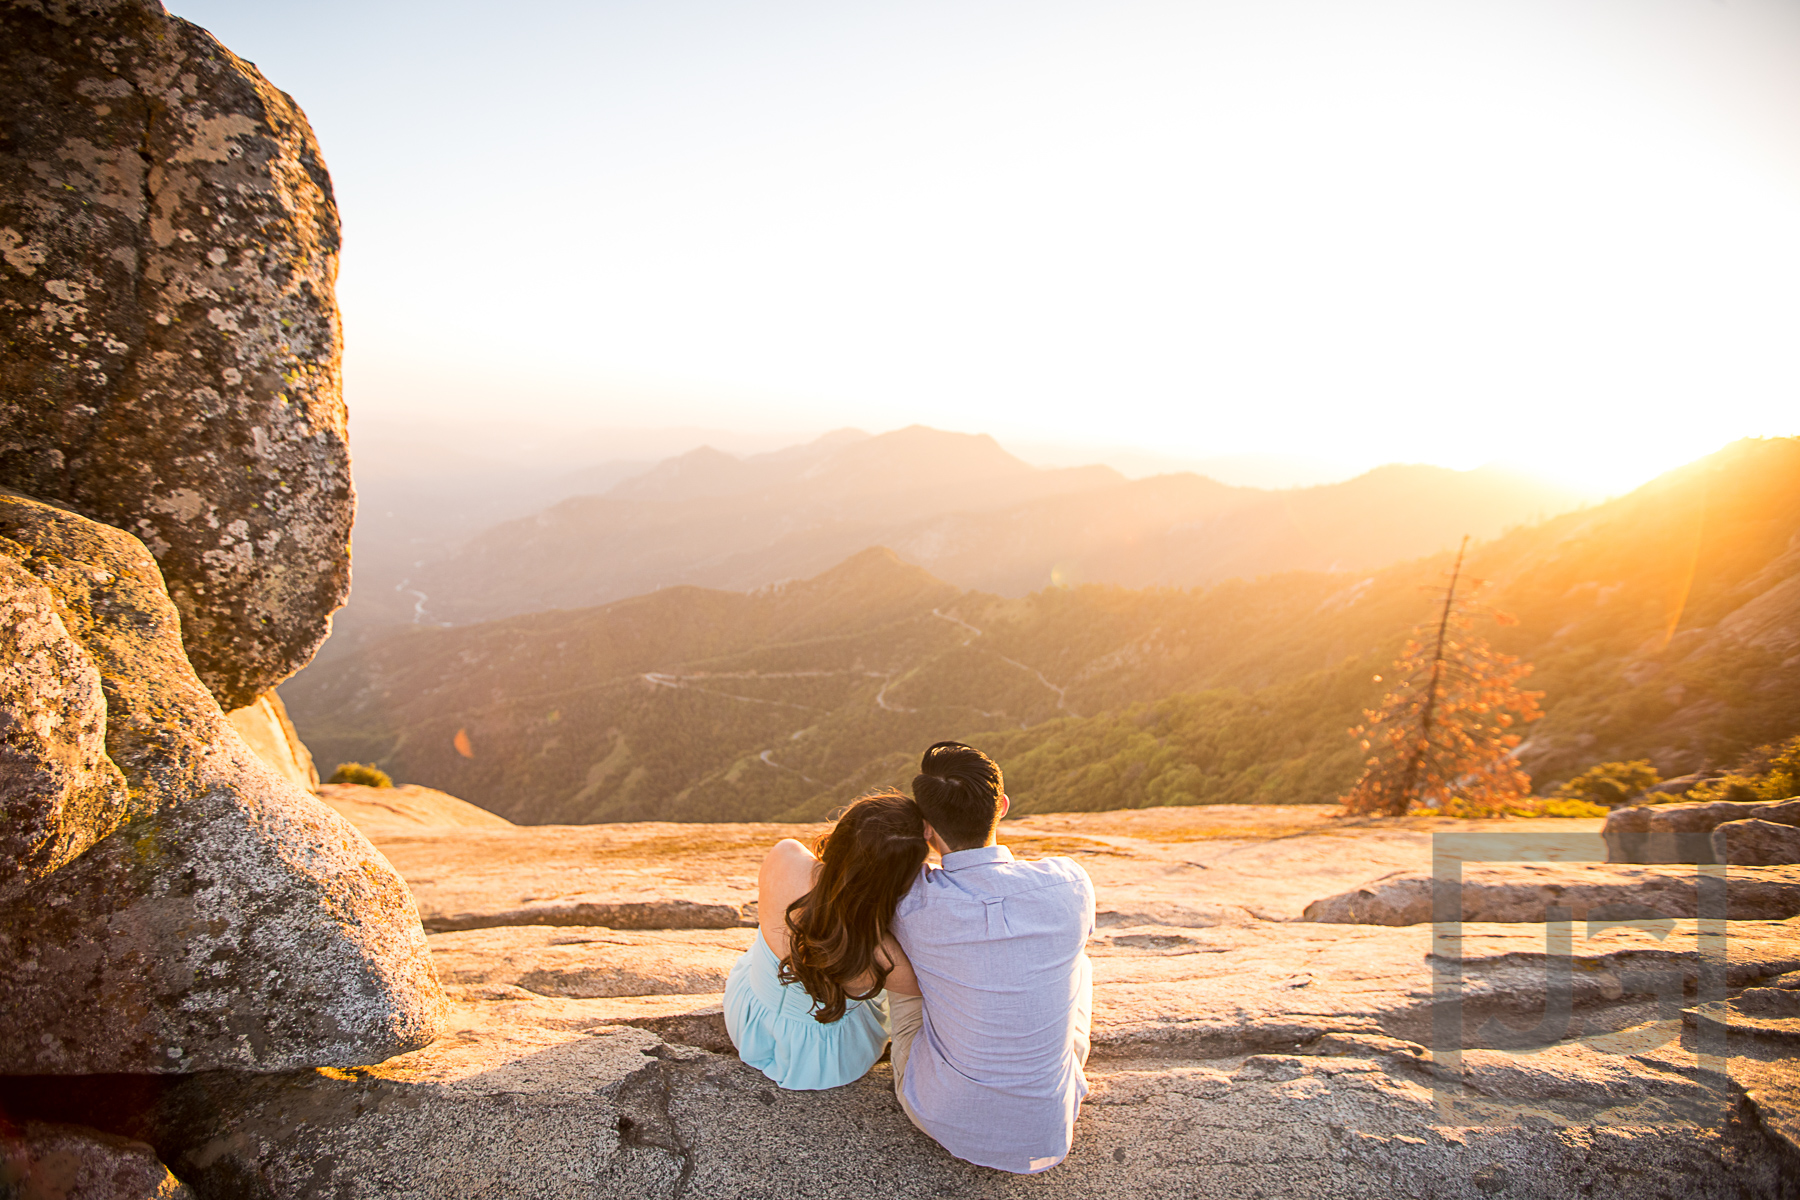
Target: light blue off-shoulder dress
<point>773,1028</point>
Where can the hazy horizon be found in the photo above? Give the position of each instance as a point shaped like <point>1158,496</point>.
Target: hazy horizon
<point>401,448</point>
<point>1554,237</point>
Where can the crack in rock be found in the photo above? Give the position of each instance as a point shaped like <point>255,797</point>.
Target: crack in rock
<point>645,1122</point>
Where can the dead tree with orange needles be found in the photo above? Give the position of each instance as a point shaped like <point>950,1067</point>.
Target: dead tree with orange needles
<point>1442,737</point>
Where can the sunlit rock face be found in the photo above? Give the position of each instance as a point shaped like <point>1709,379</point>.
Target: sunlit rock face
<point>217,916</point>
<point>1236,1050</point>
<point>265,728</point>
<point>59,793</point>
<point>168,247</point>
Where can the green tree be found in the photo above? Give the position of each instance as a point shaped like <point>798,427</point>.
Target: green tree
<point>1443,735</point>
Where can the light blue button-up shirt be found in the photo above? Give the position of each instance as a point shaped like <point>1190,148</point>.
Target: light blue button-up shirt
<point>1000,949</point>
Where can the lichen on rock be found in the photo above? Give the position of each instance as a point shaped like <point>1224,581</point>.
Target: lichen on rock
<point>59,792</point>
<point>230,920</point>
<point>168,252</point>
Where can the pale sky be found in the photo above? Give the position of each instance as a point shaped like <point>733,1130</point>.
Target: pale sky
<point>1557,234</point>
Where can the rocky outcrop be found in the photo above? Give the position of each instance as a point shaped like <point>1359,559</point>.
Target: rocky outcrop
<point>406,807</point>
<point>1683,832</point>
<point>219,916</point>
<point>1755,843</point>
<point>579,910</point>
<point>1566,891</point>
<point>168,249</point>
<point>532,1097</point>
<point>1769,1013</point>
<point>60,793</point>
<point>1172,992</point>
<point>265,728</point>
<point>1681,785</point>
<point>44,1161</point>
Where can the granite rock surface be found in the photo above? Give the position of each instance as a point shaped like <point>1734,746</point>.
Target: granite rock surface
<point>583,962</point>
<point>168,252</point>
<point>527,1097</point>
<point>1755,843</point>
<point>1566,891</point>
<point>1651,833</point>
<point>220,917</point>
<point>265,728</point>
<point>43,1161</point>
<point>59,791</point>
<point>1238,1050</point>
<point>405,808</point>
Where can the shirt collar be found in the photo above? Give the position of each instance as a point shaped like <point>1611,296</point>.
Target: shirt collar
<point>981,856</point>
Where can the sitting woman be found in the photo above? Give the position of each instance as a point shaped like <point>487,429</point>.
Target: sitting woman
<point>806,1005</point>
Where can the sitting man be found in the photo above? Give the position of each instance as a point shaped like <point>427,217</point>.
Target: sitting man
<point>989,1061</point>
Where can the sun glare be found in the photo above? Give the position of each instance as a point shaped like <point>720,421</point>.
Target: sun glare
<point>1548,235</point>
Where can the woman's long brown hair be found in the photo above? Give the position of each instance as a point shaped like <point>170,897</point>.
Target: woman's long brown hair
<point>866,863</point>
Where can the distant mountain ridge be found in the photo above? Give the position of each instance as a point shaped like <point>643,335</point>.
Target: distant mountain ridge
<point>1189,531</point>
<point>1664,624</point>
<point>957,504</point>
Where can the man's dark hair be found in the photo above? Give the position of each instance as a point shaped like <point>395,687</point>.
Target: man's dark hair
<point>958,790</point>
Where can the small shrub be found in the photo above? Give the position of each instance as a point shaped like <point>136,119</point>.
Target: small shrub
<point>1780,777</point>
<point>1572,808</point>
<point>1726,787</point>
<point>1610,784</point>
<point>1767,773</point>
<point>1530,806</point>
<point>365,774</point>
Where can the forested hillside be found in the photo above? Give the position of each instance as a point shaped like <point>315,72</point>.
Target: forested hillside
<point>1665,624</point>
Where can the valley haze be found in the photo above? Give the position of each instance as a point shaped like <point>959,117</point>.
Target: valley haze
<point>760,638</point>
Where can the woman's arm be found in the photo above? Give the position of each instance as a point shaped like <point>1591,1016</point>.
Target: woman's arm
<point>787,874</point>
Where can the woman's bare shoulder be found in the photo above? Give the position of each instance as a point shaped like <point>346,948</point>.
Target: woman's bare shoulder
<point>789,854</point>
<point>788,869</point>
<point>786,875</point>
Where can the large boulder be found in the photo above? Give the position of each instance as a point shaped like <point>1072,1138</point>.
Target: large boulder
<point>1683,832</point>
<point>41,1160</point>
<point>168,251</point>
<point>1755,843</point>
<point>1536,892</point>
<point>220,917</point>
